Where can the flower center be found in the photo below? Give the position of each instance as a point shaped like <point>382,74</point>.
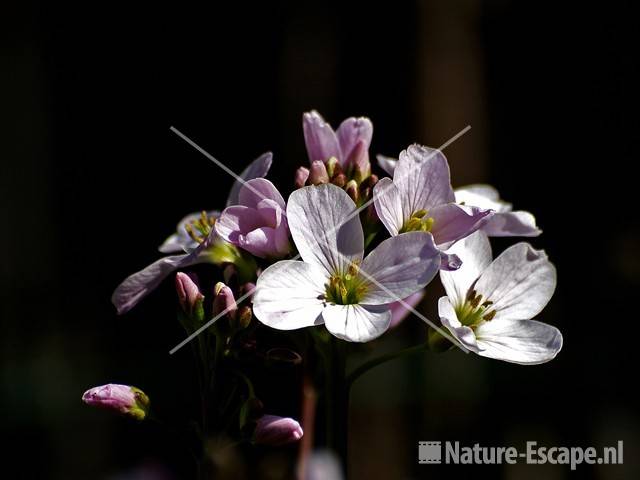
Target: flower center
<point>347,288</point>
<point>200,228</point>
<point>474,310</point>
<point>419,222</point>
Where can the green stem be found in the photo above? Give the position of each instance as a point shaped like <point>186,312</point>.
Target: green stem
<point>337,401</point>
<point>365,367</point>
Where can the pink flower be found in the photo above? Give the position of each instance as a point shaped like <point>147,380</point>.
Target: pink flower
<point>123,399</point>
<point>276,431</point>
<point>349,144</point>
<point>258,224</point>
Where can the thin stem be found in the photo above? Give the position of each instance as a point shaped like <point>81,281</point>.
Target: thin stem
<point>365,367</point>
<point>337,401</point>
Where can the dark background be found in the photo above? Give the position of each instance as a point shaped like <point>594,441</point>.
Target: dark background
<point>93,180</point>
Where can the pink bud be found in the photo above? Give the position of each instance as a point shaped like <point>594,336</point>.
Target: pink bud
<point>352,190</point>
<point>188,292</point>
<point>123,399</point>
<point>340,180</point>
<point>318,173</point>
<point>359,158</point>
<point>276,431</point>
<point>224,301</point>
<point>333,167</point>
<point>301,177</point>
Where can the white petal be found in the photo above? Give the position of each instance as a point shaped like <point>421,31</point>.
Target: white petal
<point>527,342</point>
<point>388,164</point>
<point>256,169</point>
<point>458,331</point>
<point>398,267</point>
<point>483,196</point>
<point>423,179</point>
<point>324,228</point>
<point>287,295</point>
<point>175,243</point>
<point>475,253</point>
<point>512,224</point>
<point>519,282</point>
<point>357,323</point>
<point>139,284</point>
<point>386,198</point>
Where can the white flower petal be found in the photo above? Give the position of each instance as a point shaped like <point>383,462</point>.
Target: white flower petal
<point>512,224</point>
<point>458,331</point>
<point>324,228</point>
<point>388,164</point>
<point>398,267</point>
<point>483,196</point>
<point>175,243</point>
<point>386,198</point>
<point>423,179</point>
<point>357,323</point>
<point>527,342</point>
<point>287,295</point>
<point>475,253</point>
<point>520,282</point>
<point>139,284</point>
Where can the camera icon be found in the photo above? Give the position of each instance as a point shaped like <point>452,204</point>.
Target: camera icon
<point>429,452</point>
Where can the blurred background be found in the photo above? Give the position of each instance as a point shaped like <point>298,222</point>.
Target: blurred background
<point>92,181</point>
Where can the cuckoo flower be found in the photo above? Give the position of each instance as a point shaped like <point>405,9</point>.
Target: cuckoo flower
<point>123,399</point>
<point>420,198</point>
<point>190,226</point>
<point>334,285</point>
<point>503,223</point>
<point>490,304</point>
<point>258,224</point>
<point>349,144</point>
<point>197,238</point>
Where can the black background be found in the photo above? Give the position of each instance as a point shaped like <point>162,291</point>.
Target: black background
<point>93,180</point>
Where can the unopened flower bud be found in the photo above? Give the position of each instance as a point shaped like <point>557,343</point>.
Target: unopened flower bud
<point>340,180</point>
<point>302,174</point>
<point>318,173</point>
<point>224,300</point>
<point>352,190</point>
<point>123,399</point>
<point>333,167</point>
<point>189,294</point>
<point>276,431</point>
<point>359,158</point>
<point>369,182</point>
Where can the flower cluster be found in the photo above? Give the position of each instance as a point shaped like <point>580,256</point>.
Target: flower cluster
<point>352,251</point>
<point>315,243</point>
